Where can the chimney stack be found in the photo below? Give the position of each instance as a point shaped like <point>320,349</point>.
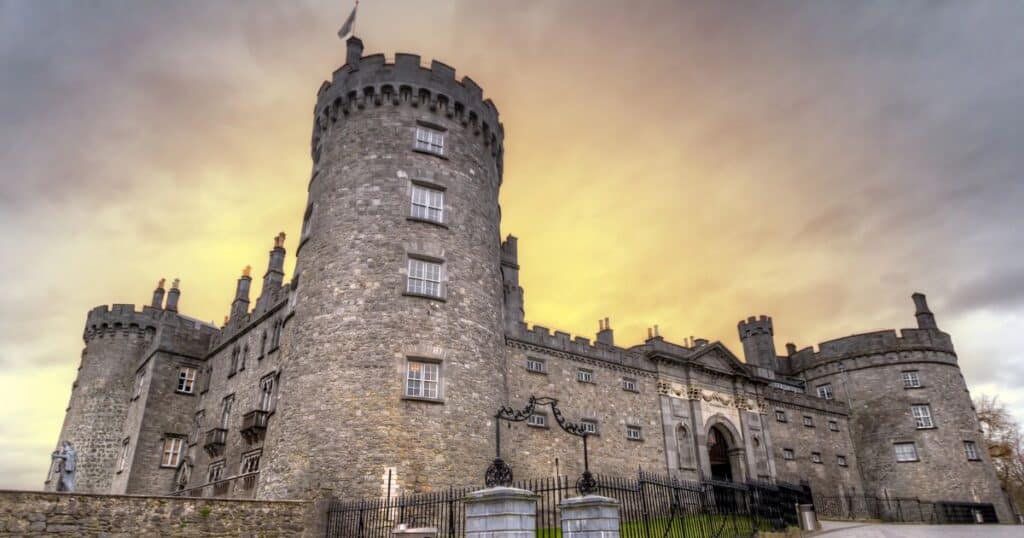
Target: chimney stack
<point>354,52</point>
<point>604,334</point>
<point>925,318</point>
<point>240,306</point>
<point>274,277</point>
<point>158,295</point>
<point>172,296</point>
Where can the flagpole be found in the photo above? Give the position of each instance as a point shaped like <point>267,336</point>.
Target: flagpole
<point>356,8</point>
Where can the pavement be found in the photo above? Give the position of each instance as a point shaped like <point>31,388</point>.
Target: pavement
<point>860,529</point>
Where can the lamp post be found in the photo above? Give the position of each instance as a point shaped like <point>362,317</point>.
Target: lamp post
<point>500,474</point>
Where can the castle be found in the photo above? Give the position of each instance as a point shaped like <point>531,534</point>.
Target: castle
<point>379,367</point>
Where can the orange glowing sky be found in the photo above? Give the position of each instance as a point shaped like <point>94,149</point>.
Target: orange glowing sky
<point>685,164</point>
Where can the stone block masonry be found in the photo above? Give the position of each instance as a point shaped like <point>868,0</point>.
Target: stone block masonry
<point>25,513</point>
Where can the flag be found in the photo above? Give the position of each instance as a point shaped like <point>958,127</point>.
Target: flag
<point>350,23</point>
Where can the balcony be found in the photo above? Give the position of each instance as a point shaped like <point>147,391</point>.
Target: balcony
<point>254,425</point>
<point>215,440</point>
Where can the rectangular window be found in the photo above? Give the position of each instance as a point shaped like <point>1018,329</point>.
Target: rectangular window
<point>911,380</point>
<point>815,457</point>
<point>140,378</point>
<point>780,415</point>
<point>585,376</point>
<point>825,391</point>
<point>251,462</point>
<point>841,461</point>
<point>268,392</point>
<point>922,416</point>
<point>971,450</point>
<point>123,460</point>
<point>833,425</point>
<point>589,426</point>
<point>225,411</point>
<point>808,421</point>
<point>186,379</point>
<point>423,379</point>
<point>628,383</point>
<point>905,452</point>
<point>539,421</point>
<point>634,433</point>
<point>216,472</point>
<point>427,203</point>
<point>424,278</point>
<point>172,451</point>
<point>535,365</point>
<point>197,425</point>
<point>787,454</point>
<point>429,140</point>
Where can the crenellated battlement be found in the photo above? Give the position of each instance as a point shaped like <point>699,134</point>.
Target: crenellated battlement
<point>873,343</point>
<point>754,326</point>
<point>798,399</point>
<point>121,320</point>
<point>562,342</point>
<point>369,81</point>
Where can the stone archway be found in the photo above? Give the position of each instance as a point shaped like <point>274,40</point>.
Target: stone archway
<point>725,451</point>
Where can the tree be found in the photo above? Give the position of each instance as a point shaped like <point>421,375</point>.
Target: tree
<point>1005,443</point>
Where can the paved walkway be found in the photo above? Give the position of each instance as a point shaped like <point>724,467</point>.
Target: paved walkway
<point>854,529</point>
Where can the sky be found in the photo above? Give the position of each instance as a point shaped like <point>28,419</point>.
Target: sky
<point>685,164</point>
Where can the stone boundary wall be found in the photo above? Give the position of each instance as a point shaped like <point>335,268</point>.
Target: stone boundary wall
<point>36,513</point>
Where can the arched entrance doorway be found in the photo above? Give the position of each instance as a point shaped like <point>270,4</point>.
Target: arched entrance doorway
<point>719,443</point>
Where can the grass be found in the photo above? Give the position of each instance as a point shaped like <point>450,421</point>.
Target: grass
<point>700,526</point>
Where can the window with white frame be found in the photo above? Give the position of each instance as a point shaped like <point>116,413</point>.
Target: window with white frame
<point>268,392</point>
<point>922,416</point>
<point>429,140</point>
<point>535,365</point>
<point>825,391</point>
<point>787,454</point>
<point>589,426</point>
<point>225,410</point>
<point>905,451</point>
<point>216,471</point>
<point>629,384</point>
<point>172,451</point>
<point>584,375</point>
<point>815,457</point>
<point>911,380</point>
<point>634,433</point>
<point>197,424</point>
<point>424,278</point>
<point>537,420</point>
<point>833,425</point>
<point>186,379</point>
<point>427,203</point>
<point>251,462</point>
<point>808,421</point>
<point>971,450</point>
<point>140,378</point>
<point>841,461</point>
<point>780,415</point>
<point>123,460</point>
<point>423,379</point>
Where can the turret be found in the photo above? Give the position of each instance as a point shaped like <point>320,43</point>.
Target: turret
<point>758,340</point>
<point>925,318</point>
<point>172,296</point>
<point>240,306</point>
<point>353,52</point>
<point>604,334</point>
<point>158,295</point>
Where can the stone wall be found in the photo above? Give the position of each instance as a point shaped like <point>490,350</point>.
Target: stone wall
<point>37,514</point>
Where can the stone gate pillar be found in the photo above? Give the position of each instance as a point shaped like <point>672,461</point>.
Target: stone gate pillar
<point>591,516</point>
<point>501,513</point>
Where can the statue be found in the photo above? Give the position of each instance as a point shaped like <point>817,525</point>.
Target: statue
<point>66,459</point>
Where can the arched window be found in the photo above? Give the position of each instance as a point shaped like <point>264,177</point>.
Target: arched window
<point>684,447</point>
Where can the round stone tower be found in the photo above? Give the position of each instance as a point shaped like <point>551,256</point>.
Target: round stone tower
<point>115,340</point>
<point>912,420</point>
<point>393,357</point>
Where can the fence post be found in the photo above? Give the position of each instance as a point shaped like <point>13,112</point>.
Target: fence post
<point>501,511</point>
<point>590,516</point>
<point>644,506</point>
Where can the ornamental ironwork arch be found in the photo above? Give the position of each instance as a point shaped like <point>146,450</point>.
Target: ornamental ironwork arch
<point>500,474</point>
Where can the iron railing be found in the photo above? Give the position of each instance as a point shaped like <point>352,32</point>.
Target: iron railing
<point>242,486</point>
<point>651,506</point>
<point>902,509</point>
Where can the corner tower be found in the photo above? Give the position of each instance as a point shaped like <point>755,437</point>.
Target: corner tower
<point>758,337</point>
<point>393,356</point>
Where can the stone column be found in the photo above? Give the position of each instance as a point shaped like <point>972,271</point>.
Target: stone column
<point>501,513</point>
<point>591,516</point>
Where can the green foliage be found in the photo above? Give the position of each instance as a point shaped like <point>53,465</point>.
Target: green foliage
<point>204,511</point>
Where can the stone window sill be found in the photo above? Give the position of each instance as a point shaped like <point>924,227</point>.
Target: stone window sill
<point>539,426</point>
<point>185,393</point>
<point>914,388</point>
<point>162,466</point>
<point>907,461</point>
<point>424,400</point>
<point>640,440</point>
<point>928,428</point>
<point>431,153</point>
<point>541,372</point>
<point>427,221</point>
<point>634,391</point>
<point>425,296</point>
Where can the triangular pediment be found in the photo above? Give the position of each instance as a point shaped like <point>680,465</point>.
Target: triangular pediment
<point>715,356</point>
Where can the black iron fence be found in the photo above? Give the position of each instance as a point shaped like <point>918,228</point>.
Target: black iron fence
<point>904,510</point>
<point>651,506</point>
